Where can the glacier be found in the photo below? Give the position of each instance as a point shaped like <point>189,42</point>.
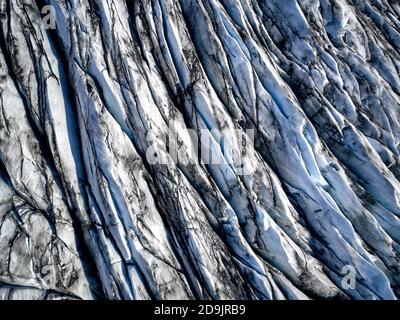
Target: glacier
<point>95,205</point>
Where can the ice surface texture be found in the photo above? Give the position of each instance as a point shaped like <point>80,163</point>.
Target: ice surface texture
<point>84,214</point>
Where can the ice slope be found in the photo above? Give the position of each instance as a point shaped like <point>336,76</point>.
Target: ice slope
<point>93,203</point>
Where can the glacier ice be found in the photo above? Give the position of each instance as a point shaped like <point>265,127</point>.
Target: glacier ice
<point>92,202</point>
